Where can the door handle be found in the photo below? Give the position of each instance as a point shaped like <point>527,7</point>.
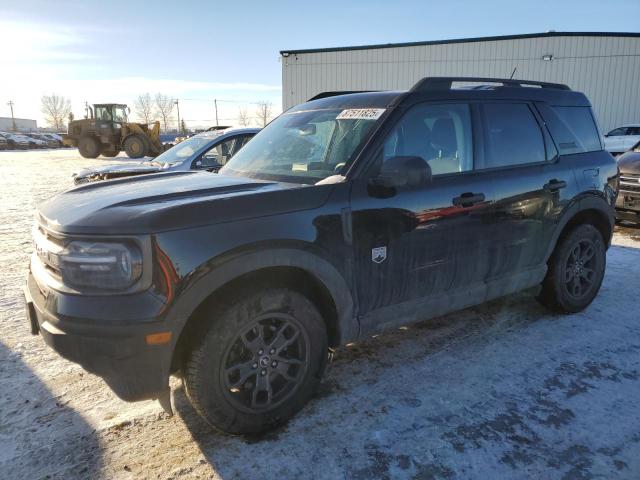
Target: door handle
<point>554,185</point>
<point>468,199</point>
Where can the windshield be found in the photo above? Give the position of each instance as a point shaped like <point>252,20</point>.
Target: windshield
<point>184,150</point>
<point>305,146</point>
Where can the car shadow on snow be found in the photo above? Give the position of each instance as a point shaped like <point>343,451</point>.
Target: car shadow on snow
<point>58,442</point>
<point>377,395</point>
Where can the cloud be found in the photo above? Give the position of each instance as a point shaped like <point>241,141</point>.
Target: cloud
<point>35,42</point>
<point>53,58</point>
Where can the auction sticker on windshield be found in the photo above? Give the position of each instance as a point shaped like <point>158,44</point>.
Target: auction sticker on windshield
<point>360,114</point>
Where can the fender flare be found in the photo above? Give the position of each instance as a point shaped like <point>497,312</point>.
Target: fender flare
<point>585,202</point>
<point>221,272</point>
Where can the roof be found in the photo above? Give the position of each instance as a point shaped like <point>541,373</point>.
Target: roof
<point>465,40</point>
<point>228,131</point>
<point>433,88</point>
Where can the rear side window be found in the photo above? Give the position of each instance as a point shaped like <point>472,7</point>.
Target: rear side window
<point>513,136</point>
<point>573,129</point>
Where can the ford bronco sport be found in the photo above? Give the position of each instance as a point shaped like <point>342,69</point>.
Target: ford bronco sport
<point>347,215</point>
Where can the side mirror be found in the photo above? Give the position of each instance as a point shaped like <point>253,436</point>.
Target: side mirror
<point>308,129</point>
<point>403,171</point>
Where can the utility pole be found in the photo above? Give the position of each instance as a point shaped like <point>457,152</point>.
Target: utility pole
<point>178,108</point>
<point>13,120</point>
<point>215,103</point>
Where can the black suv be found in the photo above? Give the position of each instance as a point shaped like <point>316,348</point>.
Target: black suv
<point>346,215</point>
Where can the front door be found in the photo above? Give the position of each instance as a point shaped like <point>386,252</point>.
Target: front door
<point>428,241</point>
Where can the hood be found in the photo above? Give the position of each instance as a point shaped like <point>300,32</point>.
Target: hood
<point>117,170</point>
<point>629,162</point>
<point>170,201</point>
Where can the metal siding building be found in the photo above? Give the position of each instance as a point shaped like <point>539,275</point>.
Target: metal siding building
<point>605,66</point>
<point>21,124</point>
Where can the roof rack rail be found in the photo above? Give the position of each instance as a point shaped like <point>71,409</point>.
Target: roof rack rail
<point>444,83</point>
<point>335,94</point>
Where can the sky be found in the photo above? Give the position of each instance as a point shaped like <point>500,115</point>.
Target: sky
<point>198,51</point>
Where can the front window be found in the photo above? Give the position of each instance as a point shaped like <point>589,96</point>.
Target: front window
<point>119,115</point>
<point>304,146</point>
<point>183,150</point>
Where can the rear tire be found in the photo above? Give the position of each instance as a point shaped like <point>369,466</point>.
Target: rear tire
<point>110,153</point>
<point>576,270</point>
<point>135,146</point>
<point>258,361</point>
<point>89,147</point>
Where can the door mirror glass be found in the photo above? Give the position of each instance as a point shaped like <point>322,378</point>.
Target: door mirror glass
<point>402,171</point>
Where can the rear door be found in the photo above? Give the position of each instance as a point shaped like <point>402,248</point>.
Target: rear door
<point>615,139</point>
<point>632,137</point>
<point>530,186</point>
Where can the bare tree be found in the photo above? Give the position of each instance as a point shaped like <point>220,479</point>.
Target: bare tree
<point>243,117</point>
<point>164,108</point>
<point>263,112</point>
<point>56,110</point>
<point>144,107</point>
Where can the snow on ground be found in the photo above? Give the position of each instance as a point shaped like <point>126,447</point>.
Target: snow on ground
<point>505,390</point>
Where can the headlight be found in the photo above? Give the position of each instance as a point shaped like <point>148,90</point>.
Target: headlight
<point>100,265</point>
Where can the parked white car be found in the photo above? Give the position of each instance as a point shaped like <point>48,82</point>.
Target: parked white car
<point>621,139</point>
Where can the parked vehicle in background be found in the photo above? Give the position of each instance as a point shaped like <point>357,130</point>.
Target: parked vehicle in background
<point>4,145</point>
<point>55,140</point>
<point>205,151</point>
<point>621,139</point>
<point>628,203</point>
<point>17,141</point>
<point>347,215</point>
<point>108,131</point>
<point>42,141</point>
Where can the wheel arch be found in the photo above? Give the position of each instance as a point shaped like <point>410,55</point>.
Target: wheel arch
<point>303,270</point>
<point>590,209</point>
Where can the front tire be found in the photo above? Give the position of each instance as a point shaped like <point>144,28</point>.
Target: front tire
<point>135,146</point>
<point>576,270</point>
<point>258,361</point>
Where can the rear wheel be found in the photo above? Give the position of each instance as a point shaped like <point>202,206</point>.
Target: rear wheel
<point>258,362</point>
<point>89,147</point>
<point>135,146</point>
<point>111,153</point>
<point>576,270</point>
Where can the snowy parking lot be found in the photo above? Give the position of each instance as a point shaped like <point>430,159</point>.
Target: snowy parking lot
<point>504,390</point>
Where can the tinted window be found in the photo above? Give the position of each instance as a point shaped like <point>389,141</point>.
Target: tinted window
<point>634,131</point>
<point>513,135</point>
<point>440,134</point>
<point>579,121</point>
<point>618,132</point>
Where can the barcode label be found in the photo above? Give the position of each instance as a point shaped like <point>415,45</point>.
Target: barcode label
<point>360,114</point>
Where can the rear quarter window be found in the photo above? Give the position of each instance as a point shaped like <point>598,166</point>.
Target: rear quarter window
<point>573,128</point>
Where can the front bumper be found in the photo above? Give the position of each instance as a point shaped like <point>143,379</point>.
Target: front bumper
<point>117,352</point>
<point>628,205</point>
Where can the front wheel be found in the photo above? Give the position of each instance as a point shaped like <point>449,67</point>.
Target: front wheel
<point>135,146</point>
<point>576,270</point>
<point>258,362</point>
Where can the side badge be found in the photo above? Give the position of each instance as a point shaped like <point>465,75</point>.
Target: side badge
<point>378,254</point>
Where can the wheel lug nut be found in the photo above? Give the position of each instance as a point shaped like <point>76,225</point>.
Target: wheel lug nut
<point>260,352</point>
<point>263,372</point>
<point>272,351</point>
<point>255,365</point>
<point>274,363</point>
